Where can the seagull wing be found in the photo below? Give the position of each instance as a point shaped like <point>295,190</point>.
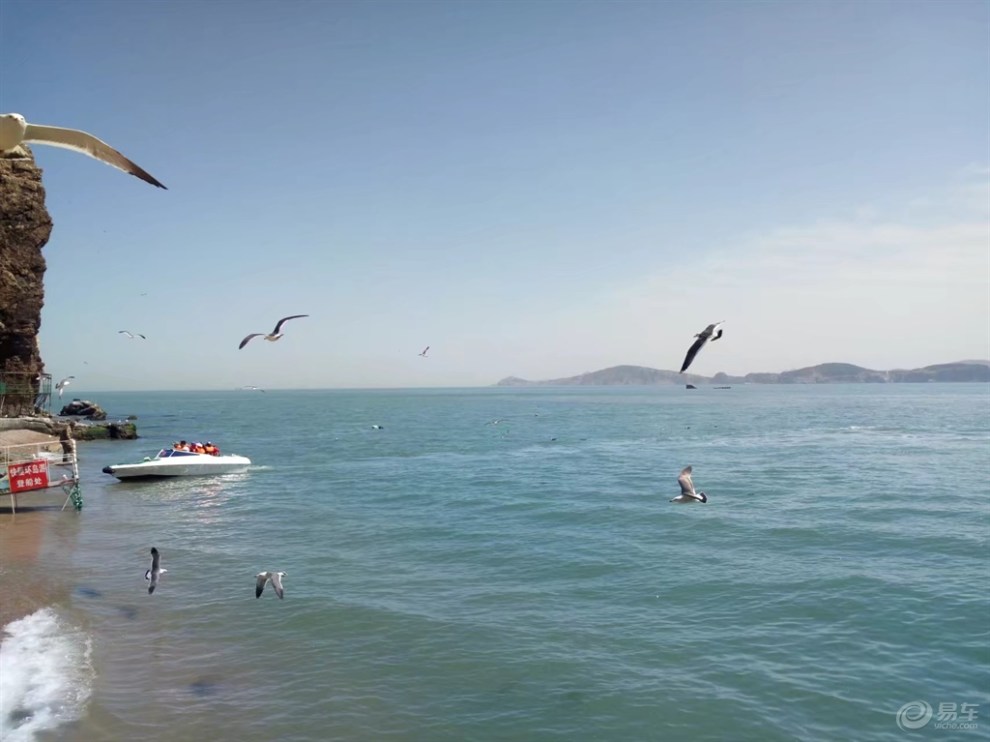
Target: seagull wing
<point>124,332</point>
<point>687,486</point>
<point>277,584</point>
<point>259,586</point>
<point>424,350</point>
<point>142,336</point>
<point>246,340</point>
<point>80,141</point>
<point>155,572</point>
<point>693,351</point>
<point>278,327</point>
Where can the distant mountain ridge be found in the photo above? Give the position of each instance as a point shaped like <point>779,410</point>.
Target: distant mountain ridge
<point>823,373</point>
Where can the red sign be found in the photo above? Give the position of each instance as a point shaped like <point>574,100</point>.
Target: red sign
<point>28,475</point>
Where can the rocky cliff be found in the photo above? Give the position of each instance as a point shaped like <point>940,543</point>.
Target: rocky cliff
<point>25,226</point>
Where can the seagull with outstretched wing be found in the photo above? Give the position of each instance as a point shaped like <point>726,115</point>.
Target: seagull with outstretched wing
<point>274,334</point>
<point>263,578</point>
<point>688,493</point>
<point>156,571</point>
<point>14,130</point>
<point>712,332</point>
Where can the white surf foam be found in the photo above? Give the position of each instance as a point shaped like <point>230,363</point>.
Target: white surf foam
<point>45,675</point>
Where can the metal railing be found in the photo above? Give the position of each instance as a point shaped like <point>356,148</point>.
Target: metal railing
<point>25,394</point>
<point>26,468</point>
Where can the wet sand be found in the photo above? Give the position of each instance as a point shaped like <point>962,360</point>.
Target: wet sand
<point>32,544</point>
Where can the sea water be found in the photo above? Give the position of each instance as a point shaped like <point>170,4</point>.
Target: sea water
<point>505,564</point>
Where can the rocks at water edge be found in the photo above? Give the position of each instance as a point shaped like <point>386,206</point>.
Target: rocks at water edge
<point>83,408</point>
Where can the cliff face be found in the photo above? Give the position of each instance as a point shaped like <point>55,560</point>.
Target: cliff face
<point>25,226</point>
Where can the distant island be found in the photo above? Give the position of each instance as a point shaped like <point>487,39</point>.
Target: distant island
<point>823,373</point>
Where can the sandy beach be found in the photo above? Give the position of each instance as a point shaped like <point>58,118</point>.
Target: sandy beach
<point>24,537</point>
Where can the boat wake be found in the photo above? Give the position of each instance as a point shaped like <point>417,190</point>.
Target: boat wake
<point>47,675</point>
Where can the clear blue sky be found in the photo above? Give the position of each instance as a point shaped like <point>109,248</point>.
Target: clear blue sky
<point>531,188</point>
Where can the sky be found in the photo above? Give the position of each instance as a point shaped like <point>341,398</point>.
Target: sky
<point>532,189</point>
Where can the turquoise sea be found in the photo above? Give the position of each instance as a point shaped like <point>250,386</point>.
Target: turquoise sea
<point>454,579</point>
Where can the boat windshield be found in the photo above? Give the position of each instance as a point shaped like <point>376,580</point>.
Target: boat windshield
<point>170,452</point>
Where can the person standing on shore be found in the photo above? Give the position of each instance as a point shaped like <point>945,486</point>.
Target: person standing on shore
<point>68,443</point>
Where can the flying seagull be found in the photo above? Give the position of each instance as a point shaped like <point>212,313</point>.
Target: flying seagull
<point>156,570</point>
<point>274,334</point>
<point>687,488</point>
<point>62,384</point>
<point>709,333</point>
<point>14,130</point>
<point>253,388</point>
<point>273,577</point>
<point>424,351</point>
<point>131,335</point>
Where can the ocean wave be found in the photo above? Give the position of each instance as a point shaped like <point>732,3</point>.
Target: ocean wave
<point>47,675</point>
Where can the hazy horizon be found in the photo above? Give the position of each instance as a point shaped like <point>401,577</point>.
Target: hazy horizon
<point>533,190</point>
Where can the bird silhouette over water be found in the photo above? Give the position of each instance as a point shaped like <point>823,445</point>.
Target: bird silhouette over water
<point>156,571</point>
<point>264,578</point>
<point>712,332</point>
<point>688,493</point>
<point>274,334</point>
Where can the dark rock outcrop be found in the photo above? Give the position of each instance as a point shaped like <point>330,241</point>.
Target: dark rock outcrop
<point>119,430</point>
<point>83,408</point>
<point>25,226</point>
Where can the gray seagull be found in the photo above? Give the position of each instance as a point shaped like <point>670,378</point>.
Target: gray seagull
<point>424,351</point>
<point>274,334</point>
<point>131,335</point>
<point>712,332</point>
<point>687,489</point>
<point>62,384</point>
<point>156,571</point>
<point>273,577</point>
<point>14,130</point>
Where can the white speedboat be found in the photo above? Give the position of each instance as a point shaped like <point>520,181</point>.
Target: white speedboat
<point>172,463</point>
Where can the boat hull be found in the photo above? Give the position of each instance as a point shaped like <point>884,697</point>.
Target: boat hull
<point>202,465</point>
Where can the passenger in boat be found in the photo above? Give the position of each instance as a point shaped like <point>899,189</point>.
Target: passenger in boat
<point>181,446</point>
<point>216,449</point>
<point>209,448</point>
<point>197,448</point>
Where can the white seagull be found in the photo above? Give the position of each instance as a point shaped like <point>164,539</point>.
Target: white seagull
<point>60,387</point>
<point>156,570</point>
<point>14,130</point>
<point>273,577</point>
<point>274,334</point>
<point>712,332</point>
<point>687,488</point>
<point>253,388</point>
<point>131,335</point>
<point>423,354</point>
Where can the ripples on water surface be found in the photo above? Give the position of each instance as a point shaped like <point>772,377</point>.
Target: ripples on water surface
<point>450,578</point>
